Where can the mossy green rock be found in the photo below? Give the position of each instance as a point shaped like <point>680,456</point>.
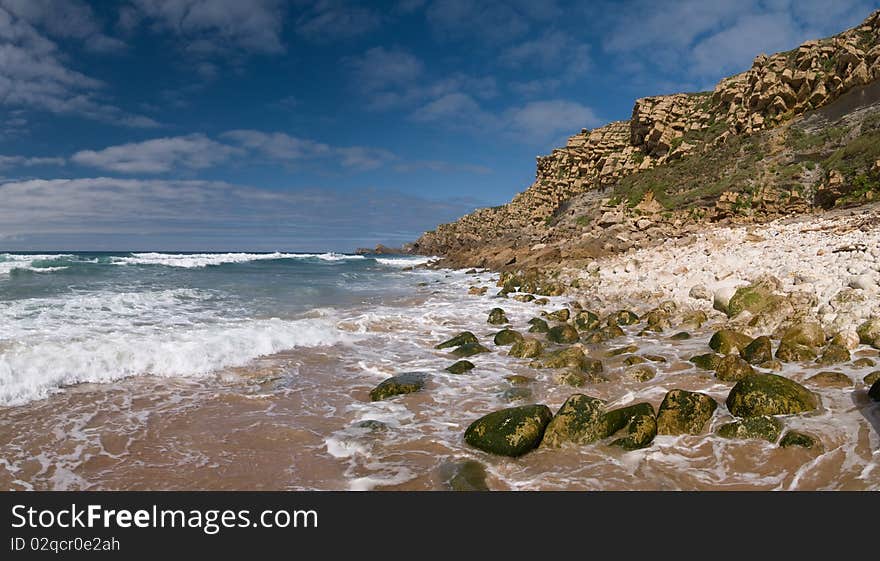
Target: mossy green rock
<point>509,432</point>
<point>869,332</point>
<point>622,351</point>
<point>795,352</point>
<point>373,426</point>
<point>769,394</point>
<point>640,372</point>
<point>634,359</point>
<point>517,393</point>
<point>872,377</point>
<point>837,380</point>
<point>874,392</point>
<point>834,354</point>
<point>863,362</point>
<point>708,361</point>
<point>640,430</point>
<point>695,320</point>
<point>763,427</point>
<point>571,377</point>
<point>749,298</point>
<point>586,321</point>
<point>466,475</point>
<point>733,369</point>
<point>559,315</point>
<point>527,347</point>
<point>524,298</point>
<point>808,333</point>
<point>681,336</point>
<point>795,438</point>
<point>460,367</point>
<point>605,334</point>
<point>622,317</point>
<point>727,341</point>
<point>497,317</point>
<point>519,379</point>
<point>571,357</point>
<point>684,412</point>
<point>538,326</point>
<point>563,334</point>
<point>760,350</point>
<point>507,337</point>
<point>469,349</point>
<point>462,338</point>
<point>578,421</point>
<point>408,382</point>
<point>620,418</point>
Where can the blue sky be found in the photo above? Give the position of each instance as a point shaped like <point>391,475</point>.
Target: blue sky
<point>327,125</point>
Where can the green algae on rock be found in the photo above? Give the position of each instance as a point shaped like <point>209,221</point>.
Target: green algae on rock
<point>469,349</point>
<point>538,326</point>
<point>586,321</point>
<point>497,317</point>
<point>763,427</point>
<point>834,354</point>
<point>684,412</point>
<point>640,372</point>
<point>509,432</point>
<point>726,341</point>
<point>622,317</point>
<point>641,431</point>
<point>708,361</point>
<point>559,315</point>
<point>578,421</point>
<point>527,347</point>
<point>507,337</point>
<point>795,438</point>
<point>407,382</point>
<point>563,334</point>
<point>462,338</point>
<point>760,350</point>
<point>769,394</point>
<point>460,367</point>
<point>733,369</point>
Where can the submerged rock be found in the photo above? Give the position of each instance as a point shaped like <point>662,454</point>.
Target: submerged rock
<point>763,427</point>
<point>564,334</point>
<point>408,382</point>
<point>524,298</point>
<point>863,362</point>
<point>769,394</point>
<point>872,377</point>
<point>708,361</point>
<point>518,393</point>
<point>570,377</point>
<point>681,336</point>
<point>538,326</point>
<point>460,367</point>
<point>622,317</point>
<point>727,341</point>
<point>760,350</point>
<point>559,315</point>
<point>684,412</point>
<point>497,317</point>
<point>733,369</point>
<point>518,379</point>
<point>640,372</point>
<point>507,337</point>
<point>830,380</point>
<point>509,432</point>
<point>632,360</point>
<point>572,357</point>
<point>469,349</point>
<point>795,438</point>
<point>466,475</point>
<point>462,338</point>
<point>586,321</point>
<point>527,347</point>
<point>372,425</point>
<point>605,334</point>
<point>622,350</point>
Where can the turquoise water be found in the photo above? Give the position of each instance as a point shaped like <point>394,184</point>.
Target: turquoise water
<point>68,318</point>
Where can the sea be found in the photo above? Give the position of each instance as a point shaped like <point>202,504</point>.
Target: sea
<point>158,370</point>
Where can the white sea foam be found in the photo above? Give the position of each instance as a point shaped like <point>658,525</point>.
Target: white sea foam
<point>198,260</point>
<point>404,261</point>
<point>11,262</point>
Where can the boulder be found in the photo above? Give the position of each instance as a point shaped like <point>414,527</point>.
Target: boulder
<point>708,361</point>
<point>621,350</point>
<point>523,298</point>
<point>518,393</point>
<point>684,412</point>
<point>837,380</point>
<point>634,359</point>
<point>622,317</point>
<point>869,332</point>
<point>507,337</point>
<point>769,394</point>
<point>559,315</point>
<point>640,372</point>
<point>763,427</point>
<point>518,379</point>
<point>863,362</point>
<point>733,369</point>
<point>586,321</point>
<point>794,352</point>
<point>808,333</point>
<point>871,378</point>
<point>758,351</point>
<point>722,297</point>
<point>465,475</point>
<point>874,392</point>
<point>538,326</point>
<point>834,354</point>
<point>795,438</point>
<point>469,349</point>
<point>460,367</point>
<point>727,341</point>
<point>563,334</point>
<point>461,339</point>
<point>572,357</point>
<point>570,377</point>
<point>527,347</point>
<point>509,432</point>
<point>641,430</point>
<point>497,317</point>
<point>605,334</point>
<point>681,336</point>
<point>752,298</point>
<point>582,419</point>
<point>407,382</point>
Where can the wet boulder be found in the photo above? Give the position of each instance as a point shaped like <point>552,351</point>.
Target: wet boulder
<point>837,380</point>
<point>760,350</point>
<point>640,372</point>
<point>571,377</point>
<point>763,427</point>
<point>808,333</point>
<point>733,369</point>
<point>641,430</point>
<point>684,412</point>
<point>622,317</point>
<point>563,334</point>
<point>708,361</point>
<point>834,354</point>
<point>752,298</point>
<point>559,315</point>
<point>869,333</point>
<point>769,394</point>
<point>497,317</point>
<point>800,439</point>
<point>538,326</point>
<point>408,382</point>
<point>586,321</point>
<point>517,393</point>
<point>527,347</point>
<point>509,432</point>
<point>727,341</point>
<point>469,349</point>
<point>460,367</point>
<point>874,392</point>
<point>871,378</point>
<point>578,421</point>
<point>507,337</point>
<point>462,338</point>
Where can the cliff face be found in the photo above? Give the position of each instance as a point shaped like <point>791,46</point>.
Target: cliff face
<point>775,91</point>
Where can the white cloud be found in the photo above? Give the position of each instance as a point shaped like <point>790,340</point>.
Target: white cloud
<point>29,161</point>
<point>542,119</point>
<point>33,74</point>
<point>216,25</point>
<point>324,21</point>
<point>65,19</point>
<point>159,155</point>
<point>553,49</point>
<point>290,149</point>
<point>441,166</point>
<point>380,68</point>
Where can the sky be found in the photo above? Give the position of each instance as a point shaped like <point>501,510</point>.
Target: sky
<point>263,125</point>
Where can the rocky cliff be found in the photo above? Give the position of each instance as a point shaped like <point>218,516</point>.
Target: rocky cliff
<point>743,115</point>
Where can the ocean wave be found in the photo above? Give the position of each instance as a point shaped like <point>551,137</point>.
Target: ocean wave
<point>10,262</point>
<point>404,261</point>
<point>32,370</point>
<point>199,260</point>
